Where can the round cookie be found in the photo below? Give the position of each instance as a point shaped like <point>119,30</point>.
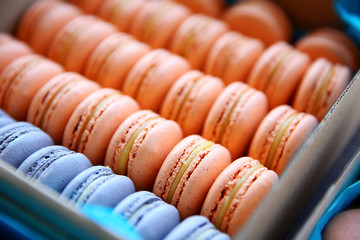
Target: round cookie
<point>88,6</point>
<point>345,225</point>
<point>209,7</point>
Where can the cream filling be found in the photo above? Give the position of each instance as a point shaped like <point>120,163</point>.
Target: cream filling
<point>192,37</point>
<point>88,189</point>
<point>318,95</point>
<point>229,198</point>
<point>184,167</point>
<point>124,156</point>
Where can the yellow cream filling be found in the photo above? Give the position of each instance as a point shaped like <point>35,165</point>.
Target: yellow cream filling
<point>228,199</point>
<point>124,156</point>
<point>184,167</point>
<point>87,190</point>
<point>277,140</point>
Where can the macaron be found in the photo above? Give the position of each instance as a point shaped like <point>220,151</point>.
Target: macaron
<point>235,116</point>
<point>43,20</point>
<point>321,86</point>
<point>30,73</point>
<point>278,72</point>
<point>280,136</point>
<point>140,145</point>
<point>188,173</point>
<point>143,209</point>
<point>120,12</point>
<point>5,119</point>
<point>75,42</point>
<point>97,185</point>
<point>88,6</point>
<point>196,228</point>
<point>11,49</point>
<point>155,15</point>
<point>152,77</point>
<point>54,166</point>
<point>344,225</point>
<point>236,193</point>
<point>208,7</point>
<point>94,122</point>
<point>195,37</point>
<point>260,19</point>
<point>54,103</point>
<point>119,49</point>
<point>190,99</point>
<point>19,140</point>
<point>331,44</point>
<point>233,56</point>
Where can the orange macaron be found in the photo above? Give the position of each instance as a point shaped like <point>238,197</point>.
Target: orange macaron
<point>119,49</point>
<point>152,77</point>
<point>43,20</point>
<point>233,56</point>
<point>94,122</point>
<point>75,42</point>
<point>235,116</point>
<point>54,103</point>
<point>260,19</point>
<point>321,86</point>
<point>88,6</point>
<point>278,72</point>
<point>190,99</point>
<point>209,7</point>
<point>140,146</point>
<point>280,136</point>
<point>195,37</point>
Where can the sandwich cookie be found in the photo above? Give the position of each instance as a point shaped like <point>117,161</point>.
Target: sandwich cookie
<point>196,228</point>
<point>152,77</point>
<point>75,42</point>
<point>278,72</point>
<point>234,118</point>
<point>208,7</point>
<point>280,136</point>
<point>233,56</point>
<point>94,122</point>
<point>188,172</point>
<point>321,86</point>
<point>19,140</point>
<point>190,99</point>
<point>54,103</point>
<point>5,119</point>
<point>54,166</point>
<point>236,193</point>
<point>140,146</point>
<point>20,81</point>
<point>88,6</point>
<point>119,49</point>
<point>143,209</point>
<point>97,185</point>
<point>42,21</point>
<point>195,37</point>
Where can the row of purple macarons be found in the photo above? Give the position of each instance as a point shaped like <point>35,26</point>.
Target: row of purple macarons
<point>78,182</point>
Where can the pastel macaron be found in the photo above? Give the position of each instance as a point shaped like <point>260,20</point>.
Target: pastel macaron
<point>88,6</point>
<point>260,19</point>
<point>195,37</point>
<point>278,72</point>
<point>20,81</point>
<point>119,49</point>
<point>11,49</point>
<point>331,44</point>
<point>94,122</point>
<point>143,209</point>
<point>152,77</point>
<point>155,15</point>
<point>5,119</point>
<point>19,140</point>
<point>235,117</point>
<point>54,103</point>
<point>196,228</point>
<point>280,136</point>
<point>97,185</point>
<point>236,193</point>
<point>190,99</point>
<point>321,86</point>
<point>54,166</point>
<point>233,56</point>
<point>344,225</point>
<point>140,145</point>
<point>188,172</point>
<point>43,20</point>
<point>208,7</point>
<point>75,42</point>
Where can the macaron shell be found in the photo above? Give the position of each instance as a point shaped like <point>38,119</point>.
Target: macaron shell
<point>344,225</point>
<point>88,6</point>
<point>21,80</point>
<point>11,50</point>
<point>208,7</point>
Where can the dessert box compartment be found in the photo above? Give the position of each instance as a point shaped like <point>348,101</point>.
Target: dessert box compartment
<point>296,185</point>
